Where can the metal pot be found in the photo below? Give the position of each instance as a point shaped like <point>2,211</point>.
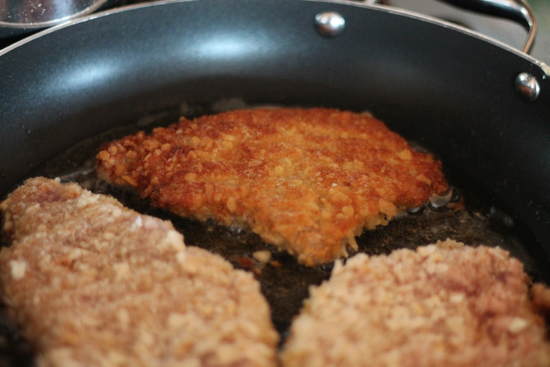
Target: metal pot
<point>24,17</point>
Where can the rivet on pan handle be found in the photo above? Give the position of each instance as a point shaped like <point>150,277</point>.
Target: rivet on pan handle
<point>527,86</point>
<point>517,10</point>
<point>330,24</point>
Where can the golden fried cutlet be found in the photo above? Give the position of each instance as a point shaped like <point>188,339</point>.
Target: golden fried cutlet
<point>95,284</point>
<point>307,181</point>
<point>443,305</point>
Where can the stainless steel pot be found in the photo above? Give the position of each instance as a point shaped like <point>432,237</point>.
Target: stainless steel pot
<point>20,17</point>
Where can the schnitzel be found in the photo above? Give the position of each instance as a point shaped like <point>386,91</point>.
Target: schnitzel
<point>442,305</point>
<point>95,284</point>
<point>306,180</point>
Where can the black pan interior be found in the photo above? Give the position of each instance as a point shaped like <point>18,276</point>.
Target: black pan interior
<point>445,90</point>
<point>283,281</point>
<point>448,90</point>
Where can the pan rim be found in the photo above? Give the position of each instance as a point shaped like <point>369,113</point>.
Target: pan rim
<point>390,10</point>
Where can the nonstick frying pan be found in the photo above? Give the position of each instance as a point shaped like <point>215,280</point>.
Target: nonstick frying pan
<point>443,88</point>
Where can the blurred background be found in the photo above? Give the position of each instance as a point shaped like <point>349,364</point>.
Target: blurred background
<point>503,30</point>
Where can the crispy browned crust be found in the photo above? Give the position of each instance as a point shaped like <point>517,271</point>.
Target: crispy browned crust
<point>95,284</point>
<point>443,305</point>
<point>307,181</point>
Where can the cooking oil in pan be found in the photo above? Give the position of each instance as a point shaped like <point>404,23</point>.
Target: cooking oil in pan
<point>283,281</point>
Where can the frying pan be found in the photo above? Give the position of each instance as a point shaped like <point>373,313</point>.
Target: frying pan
<point>447,89</point>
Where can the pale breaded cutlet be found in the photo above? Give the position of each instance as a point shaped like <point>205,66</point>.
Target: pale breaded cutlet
<point>305,180</point>
<point>94,284</point>
<point>441,305</point>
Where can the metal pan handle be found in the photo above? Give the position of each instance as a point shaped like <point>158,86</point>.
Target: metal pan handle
<point>517,10</point>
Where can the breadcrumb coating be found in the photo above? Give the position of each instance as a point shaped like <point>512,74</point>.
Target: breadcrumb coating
<point>95,284</point>
<point>441,305</point>
<point>305,180</point>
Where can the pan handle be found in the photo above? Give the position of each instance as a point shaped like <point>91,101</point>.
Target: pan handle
<point>517,10</point>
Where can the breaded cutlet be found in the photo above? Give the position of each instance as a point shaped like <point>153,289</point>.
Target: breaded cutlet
<point>441,305</point>
<point>306,180</point>
<point>95,284</point>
